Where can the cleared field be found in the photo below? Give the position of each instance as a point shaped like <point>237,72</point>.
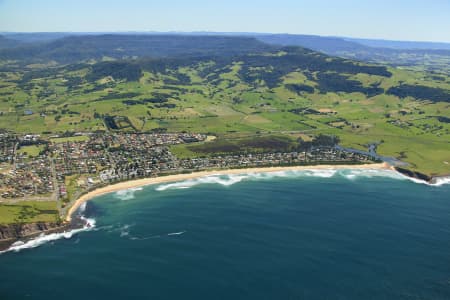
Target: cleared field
<point>28,211</point>
<point>31,151</point>
<point>265,96</point>
<point>81,138</point>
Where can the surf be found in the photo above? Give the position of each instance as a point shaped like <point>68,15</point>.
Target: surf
<point>43,238</point>
<point>350,174</point>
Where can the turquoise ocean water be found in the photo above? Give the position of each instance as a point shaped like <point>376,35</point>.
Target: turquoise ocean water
<point>347,234</point>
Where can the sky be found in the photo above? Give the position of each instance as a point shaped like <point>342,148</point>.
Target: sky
<point>415,20</point>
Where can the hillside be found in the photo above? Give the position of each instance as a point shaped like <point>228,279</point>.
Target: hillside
<point>73,49</point>
<point>377,43</point>
<point>237,92</point>
<point>413,55</point>
<point>8,43</point>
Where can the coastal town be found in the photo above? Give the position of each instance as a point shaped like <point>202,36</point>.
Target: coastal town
<point>64,168</point>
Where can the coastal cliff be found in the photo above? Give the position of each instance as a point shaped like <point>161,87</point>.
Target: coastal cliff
<point>13,232</point>
<point>414,174</point>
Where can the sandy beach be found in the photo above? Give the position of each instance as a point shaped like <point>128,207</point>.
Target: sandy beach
<point>181,177</point>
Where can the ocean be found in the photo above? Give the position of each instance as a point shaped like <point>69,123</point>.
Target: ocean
<point>323,234</point>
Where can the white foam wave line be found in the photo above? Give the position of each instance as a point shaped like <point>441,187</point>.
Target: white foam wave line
<point>125,230</point>
<point>127,194</point>
<point>354,174</point>
<point>176,233</point>
<point>45,238</point>
<point>227,180</point>
<point>442,181</point>
<point>82,208</point>
<point>351,174</point>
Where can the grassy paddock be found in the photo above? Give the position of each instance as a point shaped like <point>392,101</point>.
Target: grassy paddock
<point>31,151</point>
<point>28,211</point>
<point>80,138</point>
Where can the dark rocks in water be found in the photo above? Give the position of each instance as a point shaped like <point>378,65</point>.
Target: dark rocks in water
<point>414,174</point>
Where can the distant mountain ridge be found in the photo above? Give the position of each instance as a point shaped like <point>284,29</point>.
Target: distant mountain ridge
<point>8,43</point>
<point>73,47</point>
<point>400,45</point>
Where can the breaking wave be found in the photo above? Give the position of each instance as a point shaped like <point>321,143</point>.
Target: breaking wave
<point>89,224</point>
<point>127,194</point>
<point>350,174</point>
<point>176,233</point>
<point>125,231</point>
<point>442,181</point>
<point>45,238</point>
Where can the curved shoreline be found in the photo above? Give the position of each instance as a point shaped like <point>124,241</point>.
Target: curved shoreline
<point>186,176</point>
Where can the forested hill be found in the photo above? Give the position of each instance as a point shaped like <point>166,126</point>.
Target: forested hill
<point>8,43</point>
<point>228,87</point>
<point>406,54</point>
<point>73,49</point>
<point>329,45</point>
<point>377,43</point>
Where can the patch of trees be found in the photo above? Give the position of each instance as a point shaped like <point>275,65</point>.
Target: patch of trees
<point>166,105</point>
<point>181,79</point>
<point>179,89</point>
<point>119,70</point>
<point>247,145</point>
<point>420,92</point>
<point>323,140</point>
<point>437,78</point>
<point>157,98</point>
<point>132,102</point>
<point>443,119</point>
<point>73,82</point>
<point>319,141</point>
<point>269,143</point>
<point>110,122</point>
<point>167,65</point>
<point>99,87</point>
<point>333,82</point>
<point>75,67</point>
<point>158,130</point>
<point>116,95</point>
<point>298,88</point>
<point>117,122</point>
<point>42,73</point>
<point>65,111</point>
<point>275,67</point>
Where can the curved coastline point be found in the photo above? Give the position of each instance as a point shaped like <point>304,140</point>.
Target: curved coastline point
<point>181,177</point>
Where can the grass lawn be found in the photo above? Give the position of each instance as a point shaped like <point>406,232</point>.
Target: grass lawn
<point>31,151</point>
<point>28,211</point>
<point>80,138</point>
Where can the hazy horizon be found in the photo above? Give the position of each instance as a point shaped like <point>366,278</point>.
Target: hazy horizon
<point>237,33</point>
<point>412,20</point>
